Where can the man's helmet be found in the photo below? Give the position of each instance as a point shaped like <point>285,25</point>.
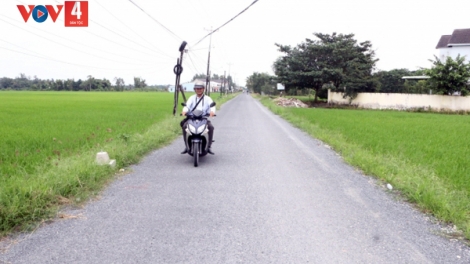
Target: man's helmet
<point>199,85</point>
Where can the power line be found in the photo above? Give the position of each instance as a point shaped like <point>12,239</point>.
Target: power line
<point>83,44</point>
<point>120,55</point>
<point>171,32</point>
<point>65,62</point>
<point>162,53</point>
<point>199,60</point>
<point>195,68</point>
<point>38,56</point>
<point>55,42</point>
<point>199,49</point>
<point>99,36</point>
<point>132,30</point>
<point>226,22</point>
<point>126,37</point>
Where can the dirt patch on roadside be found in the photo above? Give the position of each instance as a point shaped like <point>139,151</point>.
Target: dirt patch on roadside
<point>290,102</point>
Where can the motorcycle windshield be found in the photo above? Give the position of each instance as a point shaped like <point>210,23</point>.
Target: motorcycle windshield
<point>197,113</point>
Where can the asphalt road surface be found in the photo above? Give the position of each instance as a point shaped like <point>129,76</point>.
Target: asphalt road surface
<point>271,194</point>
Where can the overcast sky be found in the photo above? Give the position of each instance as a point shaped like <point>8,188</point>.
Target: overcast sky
<point>124,41</point>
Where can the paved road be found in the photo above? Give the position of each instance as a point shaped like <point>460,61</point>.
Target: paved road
<point>271,194</point>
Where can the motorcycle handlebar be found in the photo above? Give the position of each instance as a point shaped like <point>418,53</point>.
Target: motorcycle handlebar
<point>190,114</point>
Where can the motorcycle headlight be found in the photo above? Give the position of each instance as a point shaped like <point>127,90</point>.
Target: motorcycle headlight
<point>200,129</point>
<point>192,129</point>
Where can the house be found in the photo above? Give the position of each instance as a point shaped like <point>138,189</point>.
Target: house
<point>455,44</point>
<point>450,46</point>
<point>186,87</point>
<point>215,84</point>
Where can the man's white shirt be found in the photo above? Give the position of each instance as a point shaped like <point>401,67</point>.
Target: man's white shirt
<point>204,105</point>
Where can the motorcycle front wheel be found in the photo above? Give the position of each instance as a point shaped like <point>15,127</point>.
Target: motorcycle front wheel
<point>196,153</point>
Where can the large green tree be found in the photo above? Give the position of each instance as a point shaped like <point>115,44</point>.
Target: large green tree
<point>451,76</point>
<point>119,84</point>
<point>88,84</point>
<point>139,82</point>
<point>199,76</point>
<point>301,67</point>
<point>392,81</point>
<point>230,83</point>
<point>260,82</point>
<point>6,83</point>
<point>335,61</point>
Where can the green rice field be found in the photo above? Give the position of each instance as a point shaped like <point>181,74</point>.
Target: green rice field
<point>423,155</point>
<point>49,141</point>
<point>41,127</point>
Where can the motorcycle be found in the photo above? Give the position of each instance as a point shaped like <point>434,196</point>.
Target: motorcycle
<point>197,134</point>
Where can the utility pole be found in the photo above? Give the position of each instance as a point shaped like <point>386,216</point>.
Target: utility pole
<point>223,81</point>
<point>178,69</point>
<point>208,81</point>
<point>229,65</point>
<point>221,88</point>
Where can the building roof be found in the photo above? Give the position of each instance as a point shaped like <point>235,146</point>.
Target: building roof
<point>458,37</point>
<point>422,77</point>
<point>443,41</point>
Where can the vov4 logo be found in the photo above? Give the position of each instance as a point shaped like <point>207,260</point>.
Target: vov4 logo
<point>76,13</point>
<point>40,13</point>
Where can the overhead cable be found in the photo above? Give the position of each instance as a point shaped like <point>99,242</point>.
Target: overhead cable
<point>61,44</point>
<point>126,37</point>
<point>194,65</point>
<point>65,62</point>
<point>225,22</point>
<point>162,53</point>
<point>132,30</point>
<point>171,32</point>
<point>84,44</point>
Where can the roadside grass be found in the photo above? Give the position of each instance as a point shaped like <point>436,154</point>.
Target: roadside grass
<point>50,140</point>
<point>423,155</point>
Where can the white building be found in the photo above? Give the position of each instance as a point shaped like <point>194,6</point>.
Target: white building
<point>215,85</point>
<point>455,44</point>
<point>187,87</point>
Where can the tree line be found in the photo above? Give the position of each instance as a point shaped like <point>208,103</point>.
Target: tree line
<point>23,82</point>
<point>338,62</point>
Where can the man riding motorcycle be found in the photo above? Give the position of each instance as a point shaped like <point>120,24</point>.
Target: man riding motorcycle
<point>201,102</point>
